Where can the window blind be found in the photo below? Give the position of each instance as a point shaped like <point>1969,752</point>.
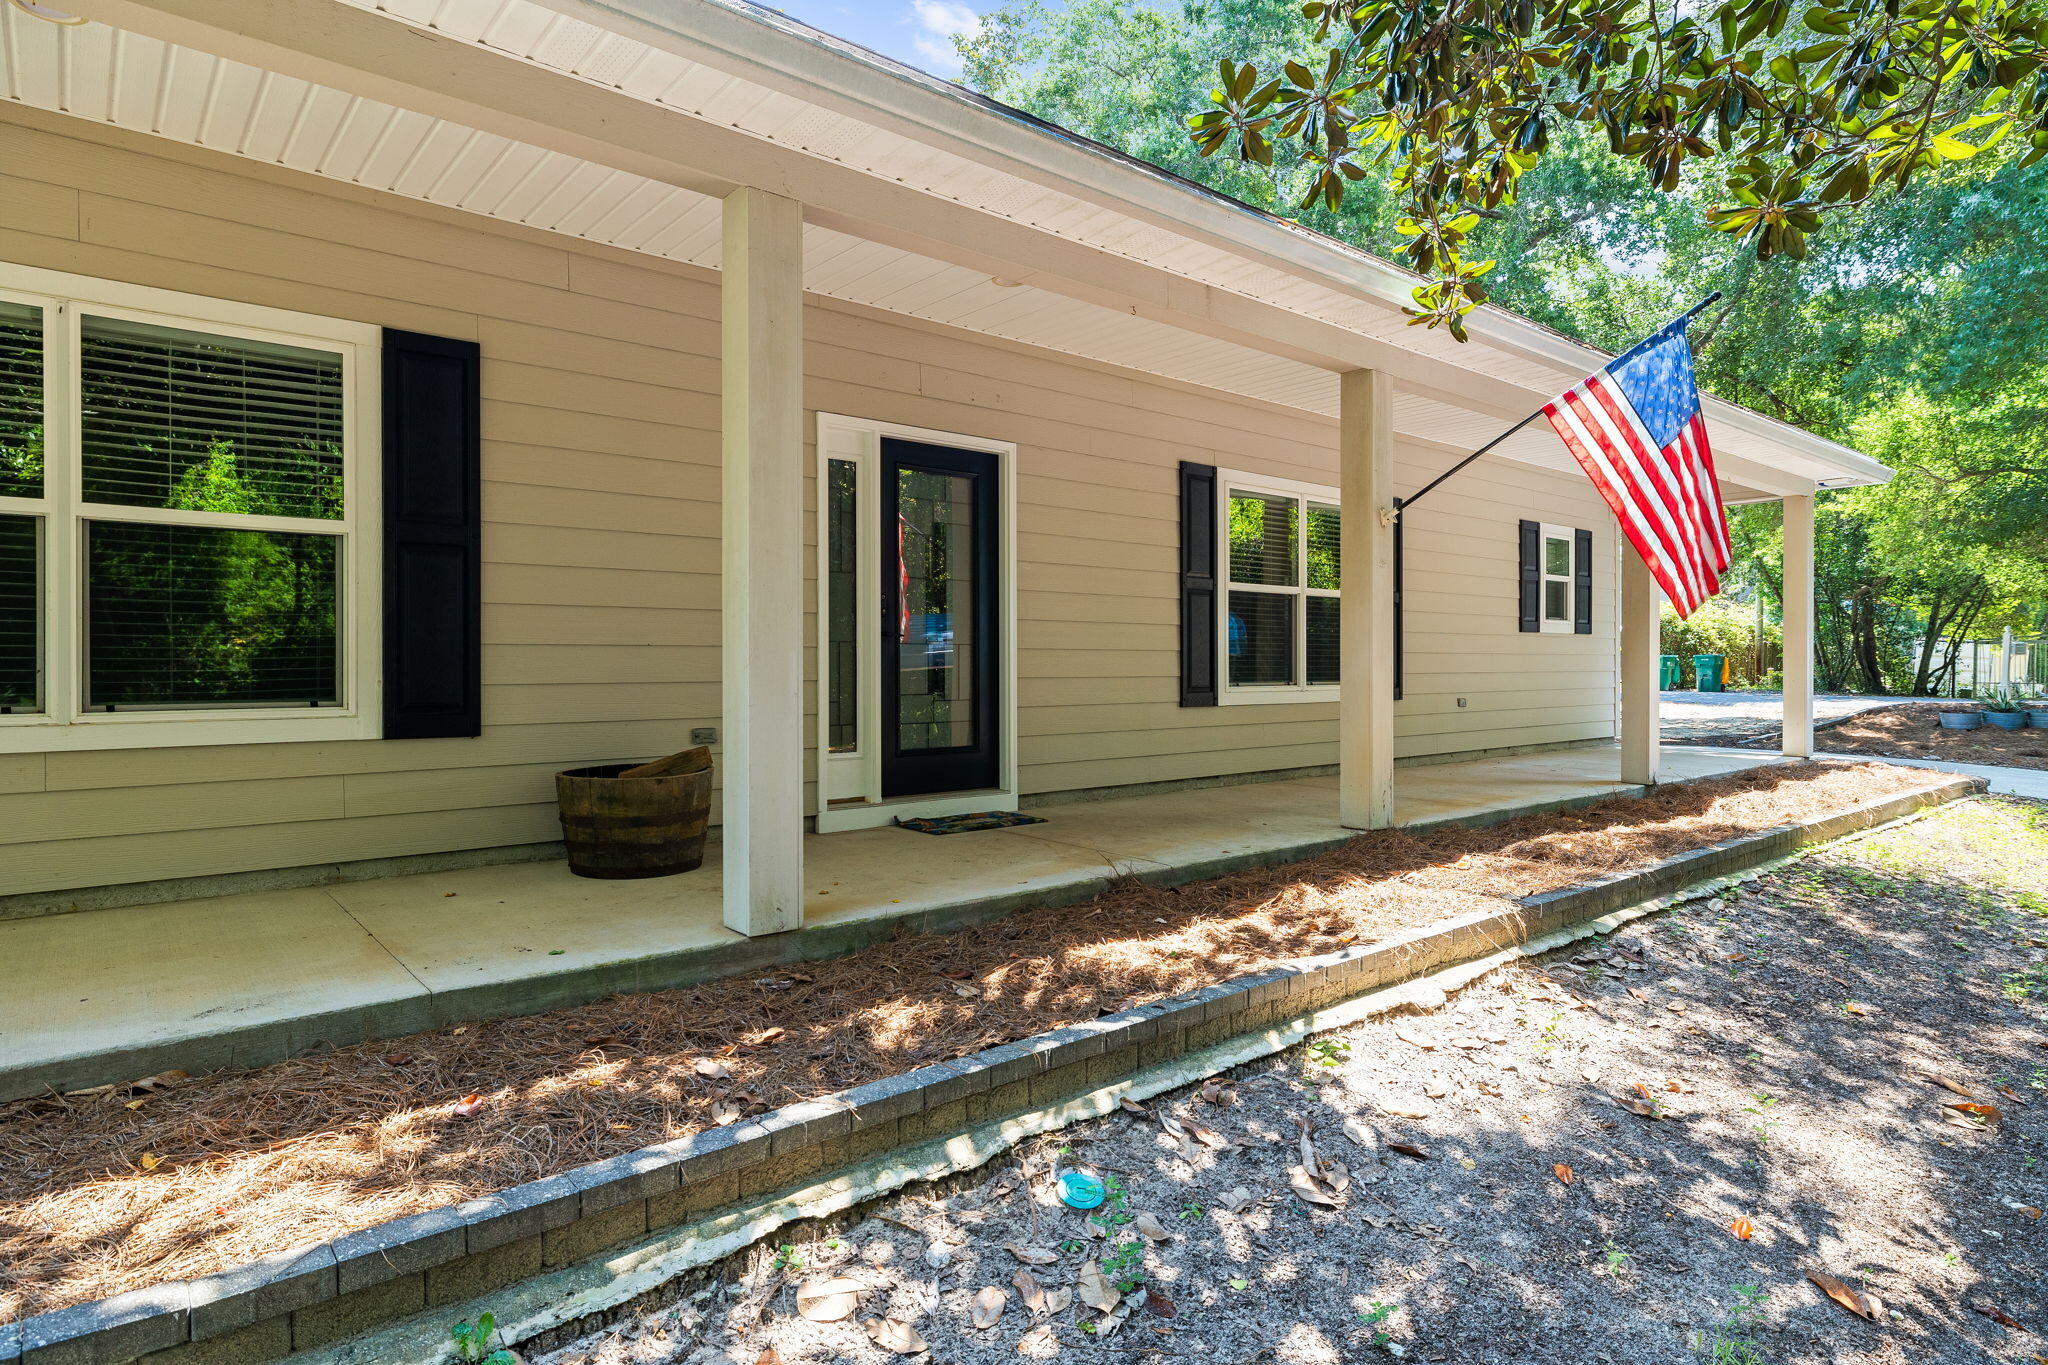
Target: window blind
<point>197,616</point>
<point>20,592</point>
<point>21,400</point>
<point>191,420</point>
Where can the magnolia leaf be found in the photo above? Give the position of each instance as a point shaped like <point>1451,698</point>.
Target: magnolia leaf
<point>1031,1292</point>
<point>899,1337</point>
<point>987,1309</point>
<point>828,1300</point>
<point>1095,1289</point>
<point>1862,1306</point>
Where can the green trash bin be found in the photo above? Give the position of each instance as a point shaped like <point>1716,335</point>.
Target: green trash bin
<point>1667,672</point>
<point>1707,668</point>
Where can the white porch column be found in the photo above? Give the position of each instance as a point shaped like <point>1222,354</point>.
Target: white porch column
<point>1365,739</point>
<point>1798,608</point>
<point>1641,732</point>
<point>761,379</point>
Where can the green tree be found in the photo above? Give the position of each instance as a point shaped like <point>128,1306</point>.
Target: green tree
<point>1452,102</point>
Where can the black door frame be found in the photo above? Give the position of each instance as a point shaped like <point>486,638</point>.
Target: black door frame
<point>973,767</point>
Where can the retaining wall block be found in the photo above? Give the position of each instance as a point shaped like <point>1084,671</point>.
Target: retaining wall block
<point>110,1330</point>
<point>351,1315</point>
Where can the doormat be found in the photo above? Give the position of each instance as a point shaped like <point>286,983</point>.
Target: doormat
<point>961,824</point>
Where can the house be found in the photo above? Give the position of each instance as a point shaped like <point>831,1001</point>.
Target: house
<point>402,400</point>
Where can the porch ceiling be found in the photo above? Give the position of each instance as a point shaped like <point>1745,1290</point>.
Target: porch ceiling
<point>264,79</point>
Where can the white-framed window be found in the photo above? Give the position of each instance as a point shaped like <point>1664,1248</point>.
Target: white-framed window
<point>1280,566</point>
<point>1558,570</point>
<point>188,547</point>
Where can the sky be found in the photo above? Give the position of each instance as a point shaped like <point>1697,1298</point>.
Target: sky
<point>917,32</point>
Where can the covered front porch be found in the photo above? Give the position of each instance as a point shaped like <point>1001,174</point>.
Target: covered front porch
<point>111,995</point>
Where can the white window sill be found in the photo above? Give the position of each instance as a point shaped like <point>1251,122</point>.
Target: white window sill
<point>1268,696</point>
<point>178,730</point>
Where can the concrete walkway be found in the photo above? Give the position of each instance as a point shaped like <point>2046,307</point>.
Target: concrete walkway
<point>109,995</point>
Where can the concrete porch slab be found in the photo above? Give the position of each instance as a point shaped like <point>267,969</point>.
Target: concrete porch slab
<point>111,995</point>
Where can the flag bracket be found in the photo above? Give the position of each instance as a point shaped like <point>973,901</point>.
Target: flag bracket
<point>1403,504</point>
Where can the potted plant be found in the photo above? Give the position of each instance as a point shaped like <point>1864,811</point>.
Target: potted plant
<point>2003,709</point>
<point>2037,717</point>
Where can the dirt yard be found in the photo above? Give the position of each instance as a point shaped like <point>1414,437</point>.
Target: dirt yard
<point>1910,730</point>
<point>111,1190</point>
<point>1643,1150</point>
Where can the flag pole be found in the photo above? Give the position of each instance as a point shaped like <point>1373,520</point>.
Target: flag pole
<point>1402,504</point>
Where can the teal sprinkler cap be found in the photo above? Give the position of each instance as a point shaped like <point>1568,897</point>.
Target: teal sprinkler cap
<point>1079,1191</point>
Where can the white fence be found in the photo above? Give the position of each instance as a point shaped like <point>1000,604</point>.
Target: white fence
<point>1986,666</point>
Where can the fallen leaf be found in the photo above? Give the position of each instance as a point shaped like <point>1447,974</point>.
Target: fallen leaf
<point>891,1335</point>
<point>1998,1315</point>
<point>988,1306</point>
<point>1131,1106</point>
<point>470,1107</point>
<point>1208,1137</point>
<point>724,1112</point>
<point>1236,1201</point>
<point>1150,1228</point>
<point>1401,1113</point>
<point>1218,1091</point>
<point>1854,1008</point>
<point>2030,1211</point>
<point>1415,1040</point>
<point>1031,1291</point>
<point>1095,1289</point>
<point>1648,1111</point>
<point>1562,1172</point>
<point>1308,1187</point>
<point>1408,1149</point>
<point>1869,1308</point>
<point>1743,1229</point>
<point>150,1161</point>
<point>705,1066</point>
<point>770,1356</point>
<point>828,1300</point>
<point>1946,1084</point>
<point>1038,1340</point>
<point>1058,1300</point>
<point>1638,992</point>
<point>1989,1113</point>
<point>1158,1304</point>
<point>1031,1255</point>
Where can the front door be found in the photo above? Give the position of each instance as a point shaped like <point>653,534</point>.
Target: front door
<point>940,552</point>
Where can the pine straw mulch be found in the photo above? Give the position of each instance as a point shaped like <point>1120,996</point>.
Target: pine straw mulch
<point>105,1193</point>
<point>1910,730</point>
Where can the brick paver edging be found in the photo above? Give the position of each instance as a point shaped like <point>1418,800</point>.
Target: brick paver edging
<point>325,1294</point>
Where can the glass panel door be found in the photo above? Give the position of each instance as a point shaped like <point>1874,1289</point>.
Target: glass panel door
<point>940,559</point>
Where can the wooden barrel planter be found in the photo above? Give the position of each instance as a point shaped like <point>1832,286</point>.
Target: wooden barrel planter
<point>618,825</point>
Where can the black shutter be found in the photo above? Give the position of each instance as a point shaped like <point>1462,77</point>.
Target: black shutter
<point>1582,582</point>
<point>1197,584</point>
<point>433,523</point>
<point>1400,606</point>
<point>1532,575</point>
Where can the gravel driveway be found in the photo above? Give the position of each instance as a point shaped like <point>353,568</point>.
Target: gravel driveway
<point>1722,715</point>
<point>1632,1153</point>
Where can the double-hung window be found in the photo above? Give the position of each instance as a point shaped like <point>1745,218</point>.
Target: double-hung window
<point>1281,578</point>
<point>185,528</point>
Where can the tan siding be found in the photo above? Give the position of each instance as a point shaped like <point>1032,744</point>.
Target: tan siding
<point>601,542</point>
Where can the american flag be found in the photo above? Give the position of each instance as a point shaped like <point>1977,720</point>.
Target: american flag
<point>1636,429</point>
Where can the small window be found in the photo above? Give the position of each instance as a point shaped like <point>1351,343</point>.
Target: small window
<point>1282,575</point>
<point>1559,574</point>
<point>181,520</point>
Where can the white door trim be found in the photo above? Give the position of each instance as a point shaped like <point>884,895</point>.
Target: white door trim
<point>859,439</point>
